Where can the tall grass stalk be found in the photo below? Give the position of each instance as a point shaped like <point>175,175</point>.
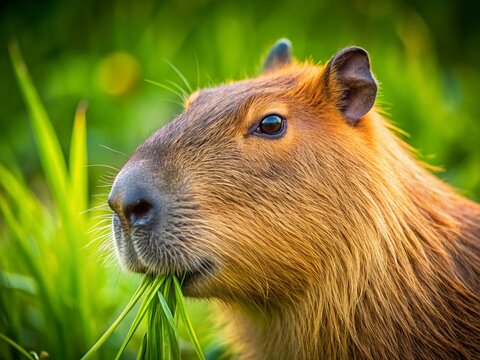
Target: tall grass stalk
<point>47,240</point>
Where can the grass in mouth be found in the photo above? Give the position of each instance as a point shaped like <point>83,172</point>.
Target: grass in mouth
<point>162,305</point>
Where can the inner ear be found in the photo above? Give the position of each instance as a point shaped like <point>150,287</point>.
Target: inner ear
<point>280,55</point>
<point>349,78</point>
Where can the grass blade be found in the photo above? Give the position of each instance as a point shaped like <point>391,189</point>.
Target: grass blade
<point>143,347</point>
<point>18,282</point>
<point>78,159</point>
<point>169,340</point>
<point>151,291</point>
<point>168,313</point>
<point>49,147</point>
<point>183,314</point>
<point>17,347</point>
<point>138,294</point>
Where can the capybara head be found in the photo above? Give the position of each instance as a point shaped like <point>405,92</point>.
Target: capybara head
<point>246,193</point>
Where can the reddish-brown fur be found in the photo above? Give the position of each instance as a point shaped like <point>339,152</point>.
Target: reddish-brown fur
<point>332,242</point>
<point>386,256</point>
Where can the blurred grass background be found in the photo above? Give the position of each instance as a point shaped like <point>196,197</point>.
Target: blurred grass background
<point>426,56</point>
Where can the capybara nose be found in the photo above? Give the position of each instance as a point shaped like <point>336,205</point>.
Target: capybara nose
<point>133,200</point>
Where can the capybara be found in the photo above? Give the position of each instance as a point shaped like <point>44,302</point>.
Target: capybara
<point>289,200</point>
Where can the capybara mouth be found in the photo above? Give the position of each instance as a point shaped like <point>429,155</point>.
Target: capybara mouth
<point>168,259</point>
<point>204,270</point>
<point>189,279</point>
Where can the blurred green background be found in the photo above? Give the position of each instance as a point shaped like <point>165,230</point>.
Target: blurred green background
<point>426,56</point>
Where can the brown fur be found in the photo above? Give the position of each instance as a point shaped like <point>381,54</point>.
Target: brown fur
<point>332,242</point>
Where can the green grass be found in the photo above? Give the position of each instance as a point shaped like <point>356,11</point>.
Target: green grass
<point>163,301</point>
<point>17,347</point>
<point>46,242</point>
<point>56,296</point>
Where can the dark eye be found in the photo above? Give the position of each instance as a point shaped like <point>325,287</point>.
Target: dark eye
<point>271,125</point>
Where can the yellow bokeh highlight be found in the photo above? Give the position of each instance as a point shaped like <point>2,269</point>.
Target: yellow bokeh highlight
<point>118,73</point>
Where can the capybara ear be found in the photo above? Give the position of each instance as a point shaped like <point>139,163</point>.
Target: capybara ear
<point>280,55</point>
<point>347,76</point>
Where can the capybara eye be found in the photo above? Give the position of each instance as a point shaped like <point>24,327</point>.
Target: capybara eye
<point>271,125</point>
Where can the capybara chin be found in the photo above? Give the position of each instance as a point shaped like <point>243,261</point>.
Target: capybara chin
<point>291,201</point>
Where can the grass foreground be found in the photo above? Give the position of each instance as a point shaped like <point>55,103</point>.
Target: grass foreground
<point>49,305</point>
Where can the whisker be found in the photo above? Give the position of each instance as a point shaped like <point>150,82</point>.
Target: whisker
<point>198,69</point>
<point>182,90</point>
<point>105,166</point>
<point>210,81</point>
<point>102,218</point>
<point>106,181</point>
<point>103,228</point>
<point>97,207</point>
<point>172,101</point>
<point>98,239</point>
<point>179,73</point>
<point>113,150</point>
<point>163,86</point>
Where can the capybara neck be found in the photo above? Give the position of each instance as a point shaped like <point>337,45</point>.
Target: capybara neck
<point>404,278</point>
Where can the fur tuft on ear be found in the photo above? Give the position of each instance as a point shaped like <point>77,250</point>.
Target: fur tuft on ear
<point>356,88</point>
<point>280,55</point>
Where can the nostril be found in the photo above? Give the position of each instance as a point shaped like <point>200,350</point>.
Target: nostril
<point>138,211</point>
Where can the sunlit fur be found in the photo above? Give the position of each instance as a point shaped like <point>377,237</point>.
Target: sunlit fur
<point>332,242</point>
